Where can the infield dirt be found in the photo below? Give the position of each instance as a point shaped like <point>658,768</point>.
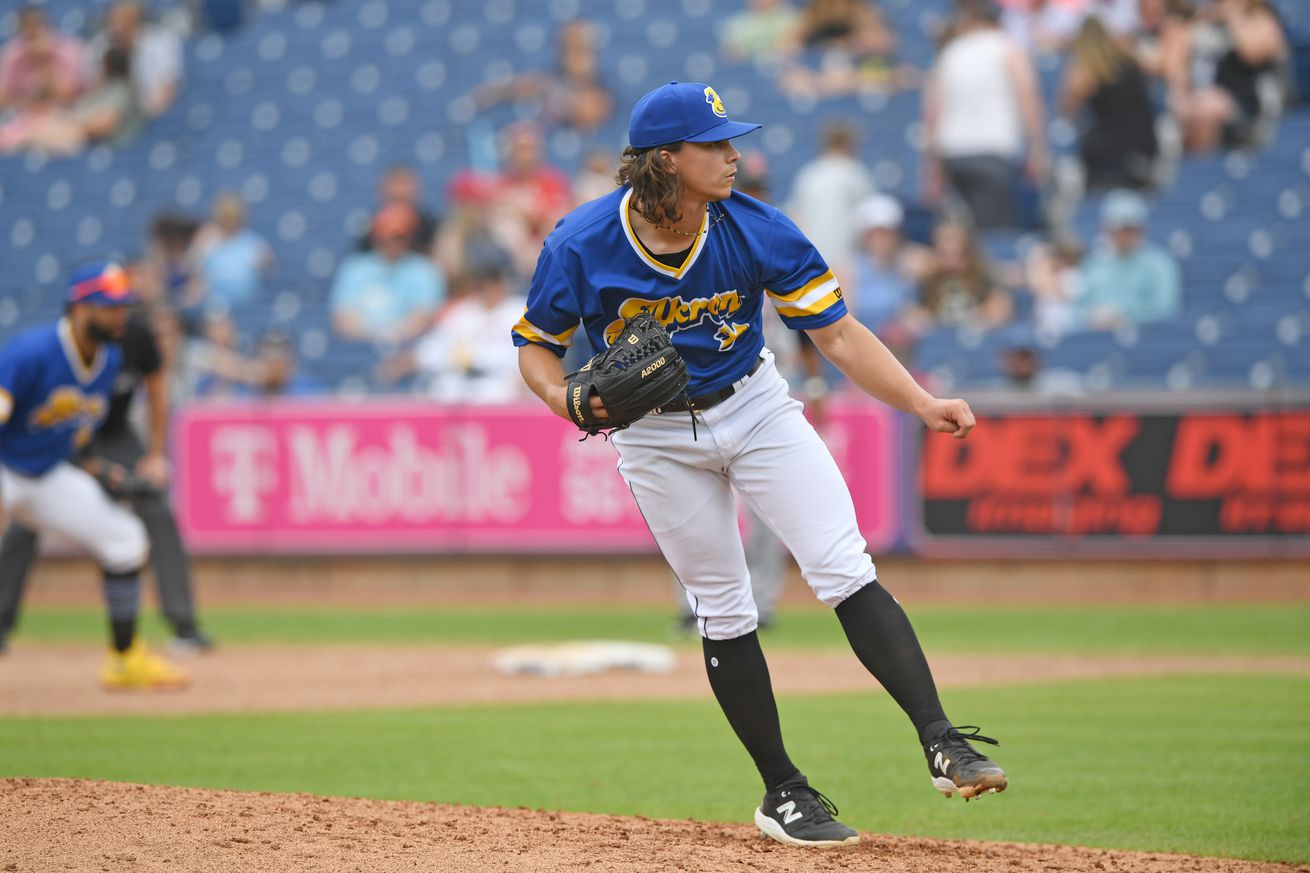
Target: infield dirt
<point>60,824</point>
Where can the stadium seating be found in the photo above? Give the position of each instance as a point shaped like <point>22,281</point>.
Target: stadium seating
<point>301,109</point>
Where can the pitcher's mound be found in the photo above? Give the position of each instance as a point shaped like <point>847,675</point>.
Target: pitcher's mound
<point>64,824</point>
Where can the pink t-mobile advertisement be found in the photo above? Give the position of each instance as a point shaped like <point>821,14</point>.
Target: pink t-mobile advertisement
<point>406,476</point>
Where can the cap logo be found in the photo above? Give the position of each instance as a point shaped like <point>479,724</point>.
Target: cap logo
<point>714,101</point>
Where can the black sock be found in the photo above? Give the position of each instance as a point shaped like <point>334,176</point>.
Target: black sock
<point>883,640</point>
<point>122,597</point>
<point>740,679</point>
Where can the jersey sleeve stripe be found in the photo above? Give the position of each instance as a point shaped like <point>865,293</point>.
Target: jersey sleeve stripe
<point>809,287</point>
<point>534,334</point>
<point>812,303</point>
<point>6,405</point>
<point>821,304</point>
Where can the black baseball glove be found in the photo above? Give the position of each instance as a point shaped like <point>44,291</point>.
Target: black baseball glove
<point>121,483</point>
<point>639,372</point>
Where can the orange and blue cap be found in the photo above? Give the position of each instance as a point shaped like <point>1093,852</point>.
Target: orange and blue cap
<point>101,283</point>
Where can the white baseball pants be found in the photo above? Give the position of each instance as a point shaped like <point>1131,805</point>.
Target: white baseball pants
<point>69,502</point>
<point>759,442</point>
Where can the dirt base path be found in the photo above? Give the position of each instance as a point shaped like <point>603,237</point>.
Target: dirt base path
<point>74,825</point>
<point>61,680</point>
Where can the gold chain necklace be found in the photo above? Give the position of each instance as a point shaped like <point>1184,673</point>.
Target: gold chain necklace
<point>718,216</point>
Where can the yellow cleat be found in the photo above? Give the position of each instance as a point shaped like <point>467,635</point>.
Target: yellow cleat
<point>138,669</point>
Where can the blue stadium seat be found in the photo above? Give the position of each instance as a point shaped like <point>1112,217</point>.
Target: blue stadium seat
<point>299,110</point>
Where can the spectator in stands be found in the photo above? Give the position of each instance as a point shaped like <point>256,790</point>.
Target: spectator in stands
<point>763,31</point>
<point>212,364</point>
<point>1158,26</point>
<point>855,46</point>
<point>31,128</point>
<point>1122,18</point>
<point>1117,146</point>
<point>1223,59</point>
<point>231,259</point>
<point>275,369</point>
<point>1023,372</point>
<point>464,358</point>
<point>390,293</point>
<point>1043,27</point>
<point>983,118</point>
<point>959,288</point>
<point>155,51</point>
<point>572,96</point>
<point>1128,279</point>
<point>39,65</point>
<point>530,196</point>
<point>825,193</point>
<point>1052,274</point>
<point>107,113</point>
<point>469,227</point>
<point>166,274</point>
<point>885,270</point>
<point>596,178</point>
<point>400,183</point>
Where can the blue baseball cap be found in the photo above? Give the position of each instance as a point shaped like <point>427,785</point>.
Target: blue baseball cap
<point>101,283</point>
<point>682,112</point>
<point>1124,208</point>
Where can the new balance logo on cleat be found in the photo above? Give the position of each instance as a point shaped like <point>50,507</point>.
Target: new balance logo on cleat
<point>802,816</point>
<point>956,766</point>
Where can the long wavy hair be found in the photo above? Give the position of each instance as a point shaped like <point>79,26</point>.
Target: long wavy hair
<point>1102,57</point>
<point>656,189</point>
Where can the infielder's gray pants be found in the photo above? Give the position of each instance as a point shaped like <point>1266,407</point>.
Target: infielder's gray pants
<point>168,557</point>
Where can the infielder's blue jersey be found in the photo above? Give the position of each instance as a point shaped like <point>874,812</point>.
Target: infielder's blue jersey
<point>51,402</point>
<point>593,269</point>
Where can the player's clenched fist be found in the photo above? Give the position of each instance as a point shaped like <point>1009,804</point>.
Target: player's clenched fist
<point>948,416</point>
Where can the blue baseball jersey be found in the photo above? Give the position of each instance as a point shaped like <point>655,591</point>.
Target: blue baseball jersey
<point>51,401</point>
<point>594,271</point>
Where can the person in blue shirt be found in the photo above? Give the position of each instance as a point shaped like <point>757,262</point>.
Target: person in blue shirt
<point>233,260</point>
<point>1127,279</point>
<point>56,382</point>
<point>674,239</point>
<point>388,294</point>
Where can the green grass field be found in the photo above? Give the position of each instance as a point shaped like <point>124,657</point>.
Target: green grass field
<point>1205,765</point>
<point>1229,629</point>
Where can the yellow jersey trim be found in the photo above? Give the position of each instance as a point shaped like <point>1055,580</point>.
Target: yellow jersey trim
<point>534,334</point>
<point>85,373</point>
<point>663,269</point>
<point>820,306</point>
<point>814,297</point>
<point>808,287</point>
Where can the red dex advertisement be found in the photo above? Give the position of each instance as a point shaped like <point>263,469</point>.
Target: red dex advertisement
<point>1237,479</point>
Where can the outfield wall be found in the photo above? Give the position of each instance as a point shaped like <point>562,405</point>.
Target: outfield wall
<point>1117,476</point>
<point>644,579</point>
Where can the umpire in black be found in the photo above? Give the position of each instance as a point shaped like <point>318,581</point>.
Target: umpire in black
<point>118,443</point>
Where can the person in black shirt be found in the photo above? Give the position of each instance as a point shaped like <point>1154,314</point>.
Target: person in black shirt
<point>400,183</point>
<point>117,442</point>
<point>1103,82</point>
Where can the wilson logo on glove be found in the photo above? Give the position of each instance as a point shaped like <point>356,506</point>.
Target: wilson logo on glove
<point>640,372</point>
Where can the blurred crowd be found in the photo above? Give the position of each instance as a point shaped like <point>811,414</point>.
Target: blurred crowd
<point>1145,83</point>
<point>59,94</point>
